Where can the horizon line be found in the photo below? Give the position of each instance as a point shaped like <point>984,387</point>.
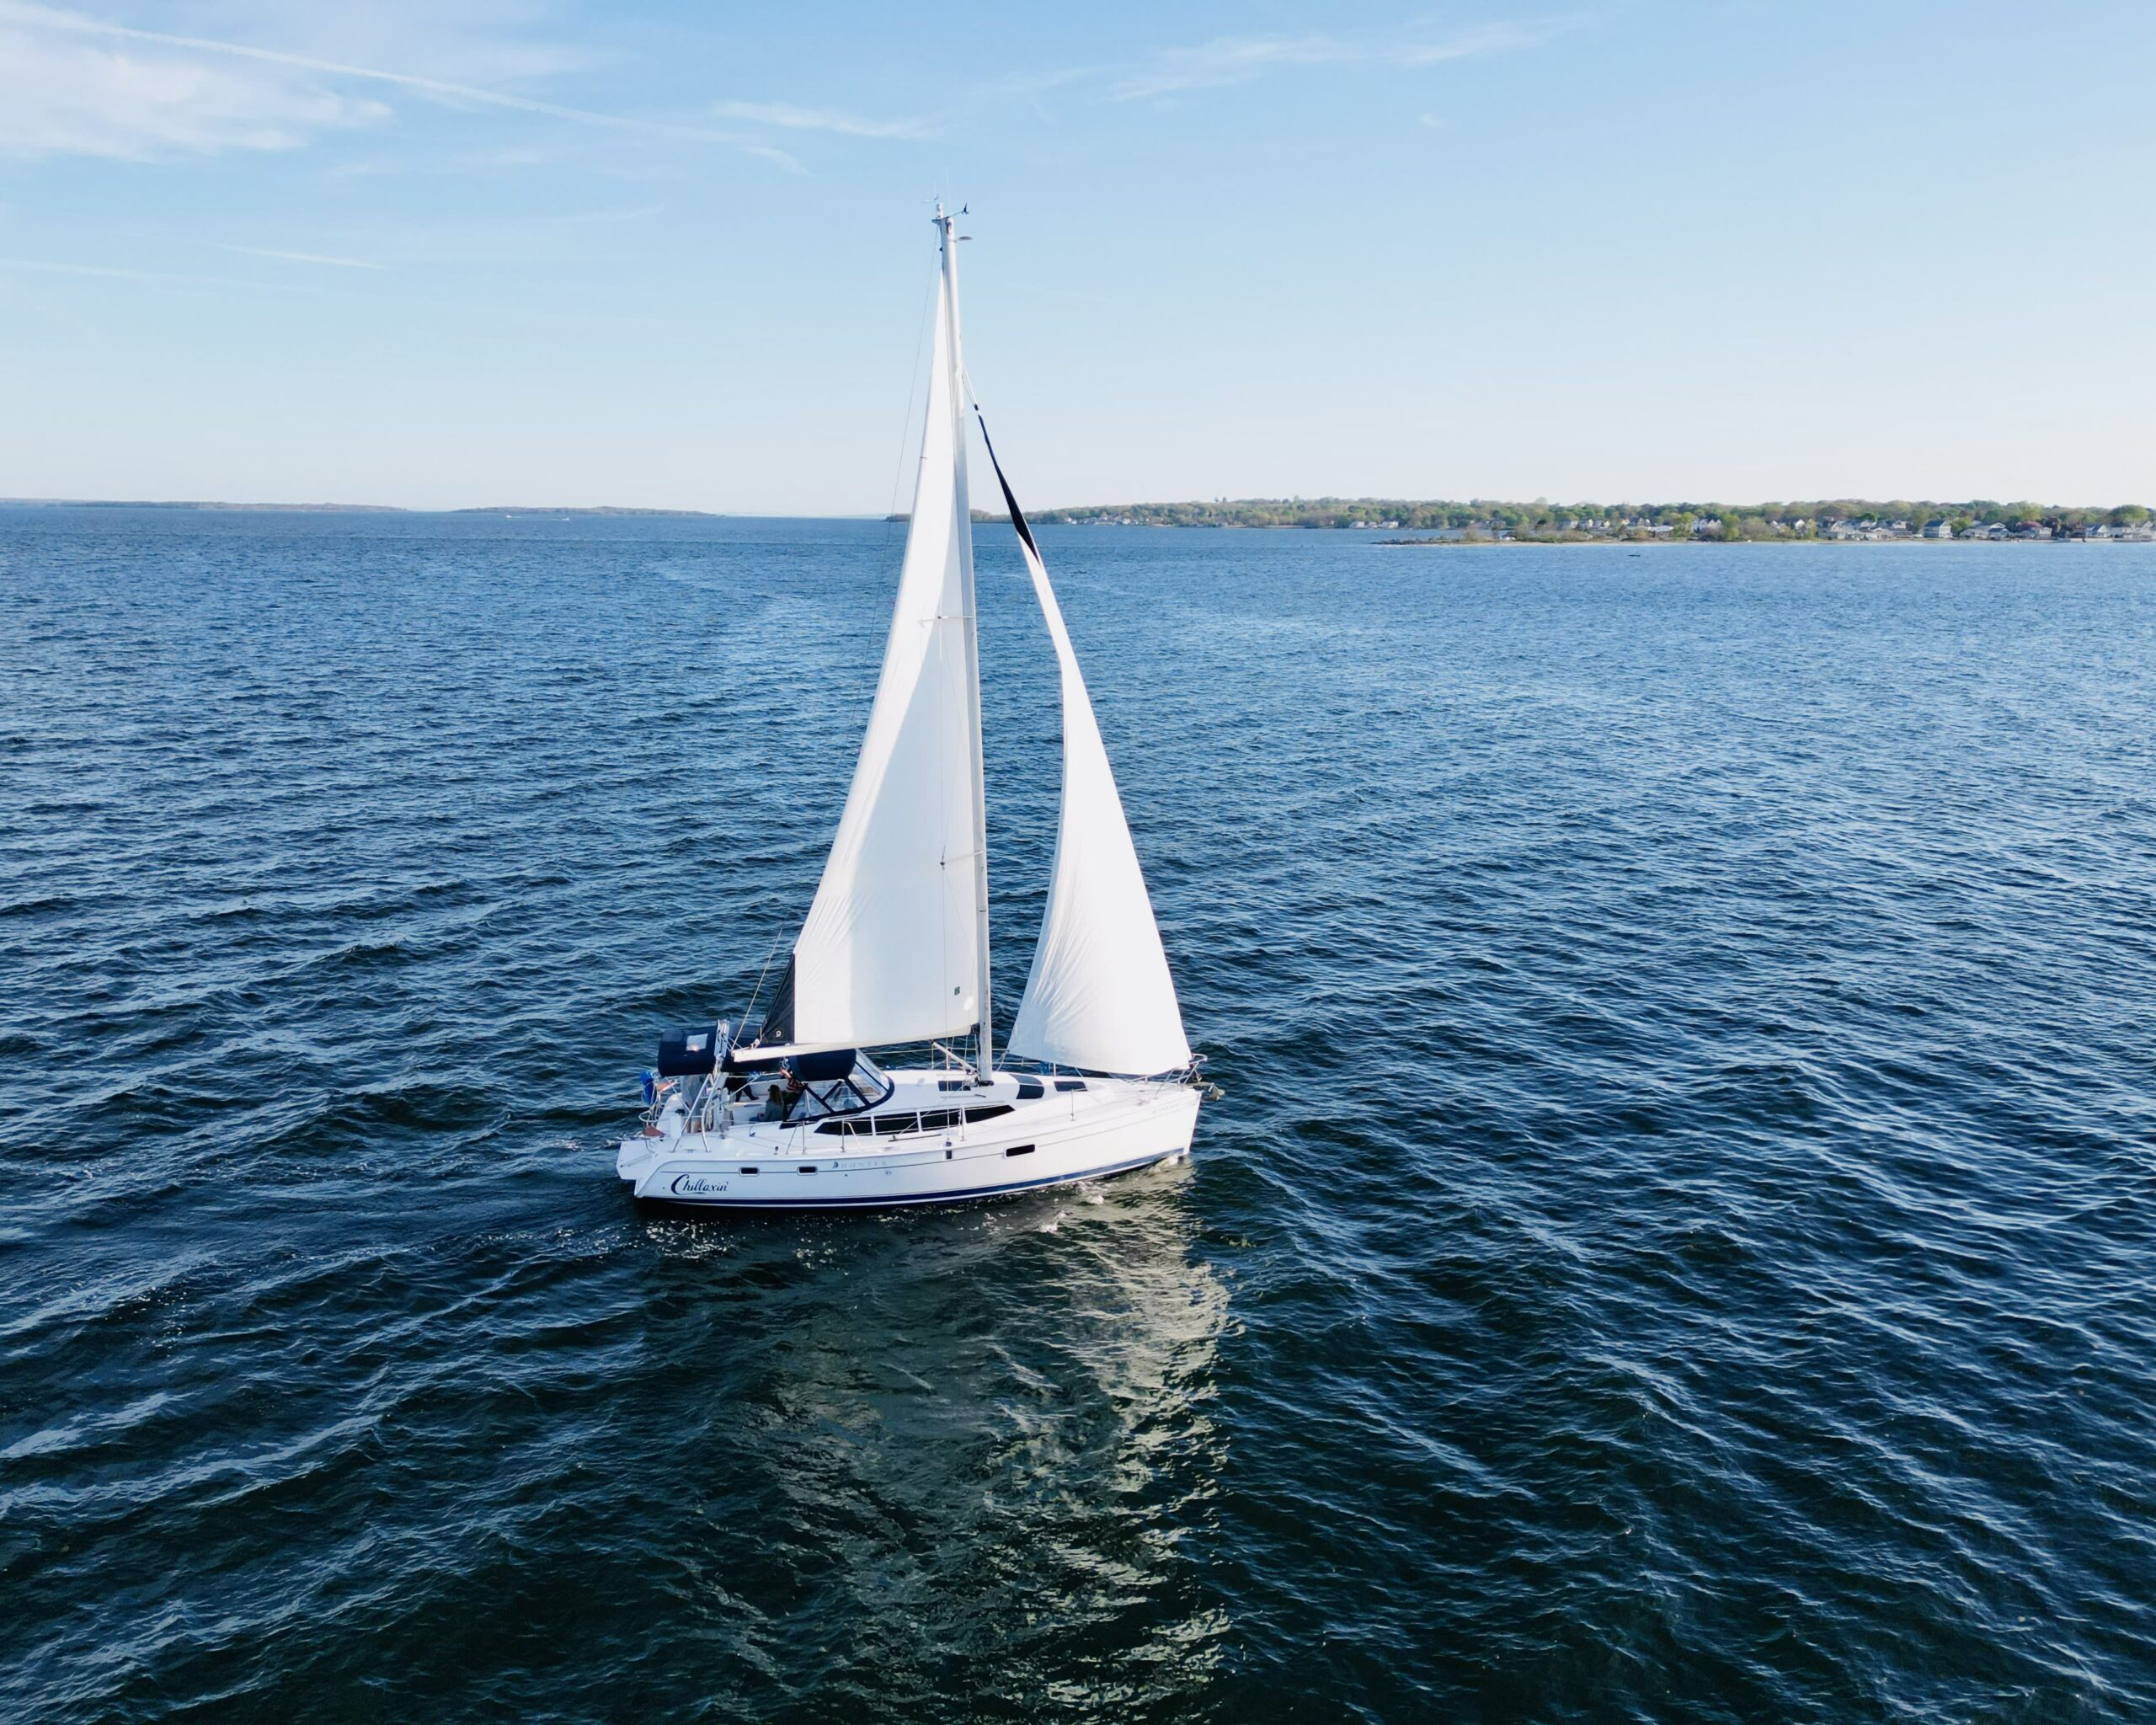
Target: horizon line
<point>1044,511</point>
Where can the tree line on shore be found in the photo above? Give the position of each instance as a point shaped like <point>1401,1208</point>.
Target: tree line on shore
<point>1542,519</point>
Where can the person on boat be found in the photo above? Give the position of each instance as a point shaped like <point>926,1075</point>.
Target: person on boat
<point>784,1093</point>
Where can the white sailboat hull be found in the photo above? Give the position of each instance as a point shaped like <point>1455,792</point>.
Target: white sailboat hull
<point>1111,1126</point>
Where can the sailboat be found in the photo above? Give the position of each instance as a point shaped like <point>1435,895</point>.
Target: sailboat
<point>791,1110</point>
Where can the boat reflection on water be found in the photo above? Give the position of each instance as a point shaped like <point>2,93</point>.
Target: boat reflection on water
<point>953,1456</point>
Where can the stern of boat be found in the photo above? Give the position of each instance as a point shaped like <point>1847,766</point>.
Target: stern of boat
<point>657,1133</point>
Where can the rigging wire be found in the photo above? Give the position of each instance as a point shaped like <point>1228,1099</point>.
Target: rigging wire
<point>759,989</point>
<point>913,393</point>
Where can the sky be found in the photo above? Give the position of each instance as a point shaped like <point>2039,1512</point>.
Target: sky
<point>444,252</point>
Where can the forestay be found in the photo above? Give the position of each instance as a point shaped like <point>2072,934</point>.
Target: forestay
<point>892,949</point>
<point>1099,995</point>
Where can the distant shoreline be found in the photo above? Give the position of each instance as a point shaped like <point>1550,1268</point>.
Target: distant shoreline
<point>1485,521</point>
<point>1486,542</point>
<point>1477,522</point>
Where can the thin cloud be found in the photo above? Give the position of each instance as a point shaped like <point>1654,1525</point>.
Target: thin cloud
<point>62,97</point>
<point>318,288</point>
<point>178,75</point>
<point>1476,44</point>
<point>321,257</point>
<point>1230,60</point>
<point>1239,59</point>
<point>46,266</point>
<point>793,118</point>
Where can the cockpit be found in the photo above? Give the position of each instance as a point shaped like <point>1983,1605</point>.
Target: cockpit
<point>796,1089</point>
<point>716,1077</point>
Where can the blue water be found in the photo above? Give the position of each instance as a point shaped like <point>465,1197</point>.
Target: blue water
<point>1675,1244</point>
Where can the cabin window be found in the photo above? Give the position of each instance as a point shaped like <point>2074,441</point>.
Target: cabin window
<point>748,1171</point>
<point>1029,1090</point>
<point>1070,1084</point>
<point>1019,1149</point>
<point>987,1112</point>
<point>808,1167</point>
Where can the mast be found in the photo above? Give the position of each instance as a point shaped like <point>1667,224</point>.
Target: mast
<point>963,509</point>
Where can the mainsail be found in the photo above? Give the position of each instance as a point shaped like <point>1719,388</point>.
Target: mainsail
<point>895,946</point>
<point>1099,995</point>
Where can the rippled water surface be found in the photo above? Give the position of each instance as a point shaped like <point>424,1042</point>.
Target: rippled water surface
<point>1677,1242</point>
